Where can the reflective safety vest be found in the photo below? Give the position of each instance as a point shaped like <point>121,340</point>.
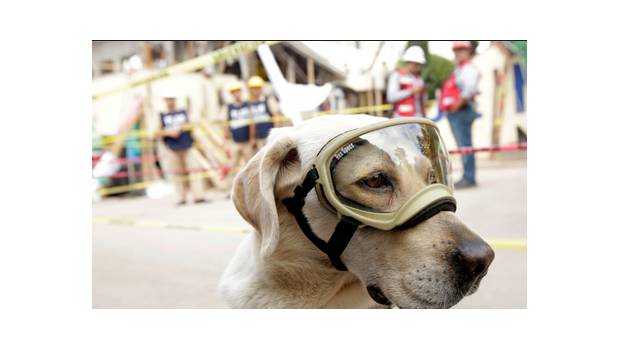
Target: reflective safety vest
<point>176,120</point>
<point>450,92</point>
<point>238,121</point>
<point>261,116</point>
<point>407,106</point>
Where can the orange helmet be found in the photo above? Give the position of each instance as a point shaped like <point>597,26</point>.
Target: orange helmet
<point>461,45</point>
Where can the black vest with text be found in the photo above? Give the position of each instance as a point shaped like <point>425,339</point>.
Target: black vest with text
<point>238,121</point>
<point>261,115</point>
<point>175,120</point>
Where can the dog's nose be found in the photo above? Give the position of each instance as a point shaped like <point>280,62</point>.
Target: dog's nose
<point>474,257</point>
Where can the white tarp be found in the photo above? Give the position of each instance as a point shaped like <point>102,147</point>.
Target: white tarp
<point>294,98</point>
<point>363,65</point>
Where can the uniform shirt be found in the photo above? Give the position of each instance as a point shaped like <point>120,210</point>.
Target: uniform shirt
<point>467,77</point>
<point>395,94</point>
<point>176,120</point>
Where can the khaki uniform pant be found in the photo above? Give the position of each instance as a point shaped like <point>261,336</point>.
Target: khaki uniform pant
<point>241,152</point>
<point>181,163</point>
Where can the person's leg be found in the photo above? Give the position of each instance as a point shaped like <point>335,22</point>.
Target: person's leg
<point>457,131</point>
<point>252,151</point>
<point>175,162</point>
<point>248,152</point>
<point>196,178</point>
<point>456,127</point>
<point>183,171</point>
<point>235,155</point>
<point>233,164</point>
<point>460,124</point>
<point>260,143</point>
<point>469,160</point>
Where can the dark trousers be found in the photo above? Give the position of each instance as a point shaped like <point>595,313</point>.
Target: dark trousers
<point>460,123</point>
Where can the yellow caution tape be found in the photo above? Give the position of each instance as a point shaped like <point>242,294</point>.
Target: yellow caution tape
<point>507,244</point>
<point>229,52</point>
<point>143,133</point>
<point>498,244</point>
<point>159,224</point>
<point>214,147</point>
<point>355,110</point>
<point>142,185</point>
<point>124,188</point>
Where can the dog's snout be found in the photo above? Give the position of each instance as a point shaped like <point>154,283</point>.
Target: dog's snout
<point>474,257</point>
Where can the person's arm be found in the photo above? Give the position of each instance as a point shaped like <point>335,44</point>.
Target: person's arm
<point>252,133</point>
<point>424,97</point>
<point>469,76</point>
<point>394,94</point>
<point>223,116</point>
<point>169,133</point>
<point>275,110</point>
<point>163,132</point>
<point>252,127</point>
<point>458,104</point>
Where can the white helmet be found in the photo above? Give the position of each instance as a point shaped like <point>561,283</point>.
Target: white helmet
<point>414,54</point>
<point>168,94</point>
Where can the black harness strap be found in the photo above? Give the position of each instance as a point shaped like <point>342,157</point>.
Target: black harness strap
<point>342,233</point>
<point>295,203</point>
<point>346,226</point>
<point>340,239</point>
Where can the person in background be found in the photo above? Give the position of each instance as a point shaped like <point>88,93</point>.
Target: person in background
<point>237,114</point>
<point>262,110</point>
<point>180,153</point>
<point>457,99</point>
<point>405,89</point>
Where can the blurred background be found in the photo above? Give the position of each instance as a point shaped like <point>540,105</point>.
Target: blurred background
<point>174,121</point>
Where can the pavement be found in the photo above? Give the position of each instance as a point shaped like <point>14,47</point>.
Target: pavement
<point>150,267</point>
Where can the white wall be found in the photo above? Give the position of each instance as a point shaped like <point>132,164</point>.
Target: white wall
<point>487,61</point>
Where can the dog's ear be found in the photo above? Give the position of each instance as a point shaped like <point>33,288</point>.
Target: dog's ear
<point>269,176</point>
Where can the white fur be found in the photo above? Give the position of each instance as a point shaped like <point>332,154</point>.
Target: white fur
<point>278,267</point>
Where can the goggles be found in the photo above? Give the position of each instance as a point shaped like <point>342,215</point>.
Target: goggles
<point>387,175</point>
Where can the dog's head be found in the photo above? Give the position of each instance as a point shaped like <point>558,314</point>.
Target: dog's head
<point>431,265</point>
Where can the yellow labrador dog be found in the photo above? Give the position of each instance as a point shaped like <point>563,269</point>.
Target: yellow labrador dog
<point>431,265</point>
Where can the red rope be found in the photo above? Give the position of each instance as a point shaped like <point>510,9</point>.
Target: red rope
<point>470,150</point>
<point>125,174</point>
<point>95,160</point>
<point>225,170</point>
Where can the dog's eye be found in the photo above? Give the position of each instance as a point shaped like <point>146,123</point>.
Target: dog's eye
<point>432,179</point>
<point>377,182</point>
